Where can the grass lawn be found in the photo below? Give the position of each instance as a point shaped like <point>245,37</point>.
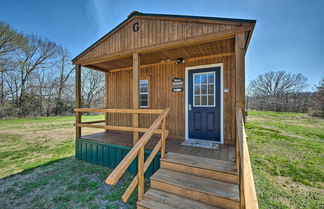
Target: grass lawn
<point>38,170</point>
<point>287,152</point>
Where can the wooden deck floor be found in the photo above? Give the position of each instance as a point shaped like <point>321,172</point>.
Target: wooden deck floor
<point>225,152</point>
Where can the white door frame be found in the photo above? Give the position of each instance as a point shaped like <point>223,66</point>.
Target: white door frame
<point>221,95</point>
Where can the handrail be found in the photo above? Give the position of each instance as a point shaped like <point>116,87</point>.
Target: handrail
<point>93,124</point>
<point>123,165</point>
<point>105,110</point>
<point>115,128</point>
<point>248,197</point>
<point>90,122</point>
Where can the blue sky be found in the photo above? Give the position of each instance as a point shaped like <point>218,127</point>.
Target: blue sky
<point>289,34</point>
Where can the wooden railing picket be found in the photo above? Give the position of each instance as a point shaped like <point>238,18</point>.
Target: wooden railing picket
<point>140,173</point>
<point>248,197</point>
<point>163,138</point>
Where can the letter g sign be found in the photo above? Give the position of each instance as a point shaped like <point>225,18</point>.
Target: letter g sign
<point>136,27</point>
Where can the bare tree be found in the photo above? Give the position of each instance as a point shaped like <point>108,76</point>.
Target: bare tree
<point>319,99</point>
<point>34,53</point>
<point>277,83</point>
<point>9,41</point>
<point>61,82</point>
<point>92,87</point>
<point>36,77</point>
<point>278,91</point>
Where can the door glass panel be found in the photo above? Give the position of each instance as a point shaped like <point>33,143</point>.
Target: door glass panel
<point>211,78</point>
<point>197,100</point>
<point>204,89</point>
<point>203,77</point>
<point>197,78</point>
<point>211,89</point>
<point>211,100</point>
<point>204,100</point>
<point>197,89</point>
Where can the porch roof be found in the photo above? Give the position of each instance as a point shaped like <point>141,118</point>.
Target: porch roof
<point>161,34</point>
<point>214,48</point>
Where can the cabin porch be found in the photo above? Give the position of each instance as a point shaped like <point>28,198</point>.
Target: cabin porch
<point>224,152</point>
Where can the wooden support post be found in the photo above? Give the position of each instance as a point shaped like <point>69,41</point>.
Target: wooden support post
<point>136,76</point>
<point>237,153</point>
<point>240,70</point>
<point>140,174</point>
<point>78,99</point>
<point>106,99</point>
<point>163,137</point>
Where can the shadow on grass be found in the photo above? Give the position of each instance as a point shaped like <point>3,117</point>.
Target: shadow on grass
<point>64,183</point>
<point>28,170</point>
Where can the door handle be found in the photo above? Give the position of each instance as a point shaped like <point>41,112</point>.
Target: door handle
<point>189,107</point>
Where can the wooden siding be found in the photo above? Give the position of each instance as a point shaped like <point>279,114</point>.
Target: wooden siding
<point>161,96</point>
<point>154,32</point>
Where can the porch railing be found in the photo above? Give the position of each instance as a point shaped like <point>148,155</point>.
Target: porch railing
<point>248,197</point>
<point>138,148</point>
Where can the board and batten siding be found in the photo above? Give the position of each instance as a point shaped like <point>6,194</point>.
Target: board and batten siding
<point>153,32</point>
<point>161,96</point>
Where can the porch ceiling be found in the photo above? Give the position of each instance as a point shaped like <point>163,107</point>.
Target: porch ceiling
<point>187,52</point>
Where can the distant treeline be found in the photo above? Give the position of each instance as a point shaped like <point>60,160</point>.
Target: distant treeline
<point>285,92</point>
<point>37,77</point>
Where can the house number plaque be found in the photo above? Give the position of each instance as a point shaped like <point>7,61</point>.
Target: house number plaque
<point>136,27</point>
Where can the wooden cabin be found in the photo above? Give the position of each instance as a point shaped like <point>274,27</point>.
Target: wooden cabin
<point>174,104</point>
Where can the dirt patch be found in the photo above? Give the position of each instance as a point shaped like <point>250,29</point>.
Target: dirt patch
<point>59,133</point>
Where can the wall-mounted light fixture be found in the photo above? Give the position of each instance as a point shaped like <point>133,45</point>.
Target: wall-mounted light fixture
<point>180,60</point>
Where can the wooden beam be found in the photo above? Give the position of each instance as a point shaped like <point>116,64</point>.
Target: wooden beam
<point>129,111</point>
<point>140,174</point>
<point>136,76</point>
<point>163,138</point>
<point>248,197</point>
<point>92,67</point>
<point>78,99</point>
<point>106,98</point>
<point>116,128</point>
<point>92,122</point>
<point>249,36</point>
<point>240,70</point>
<point>189,59</point>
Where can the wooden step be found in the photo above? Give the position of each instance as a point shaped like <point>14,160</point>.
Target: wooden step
<point>156,199</point>
<point>199,166</point>
<point>209,191</point>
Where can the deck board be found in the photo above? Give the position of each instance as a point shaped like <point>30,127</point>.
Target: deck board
<point>225,152</point>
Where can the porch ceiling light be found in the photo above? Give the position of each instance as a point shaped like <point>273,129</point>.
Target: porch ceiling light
<point>180,60</point>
